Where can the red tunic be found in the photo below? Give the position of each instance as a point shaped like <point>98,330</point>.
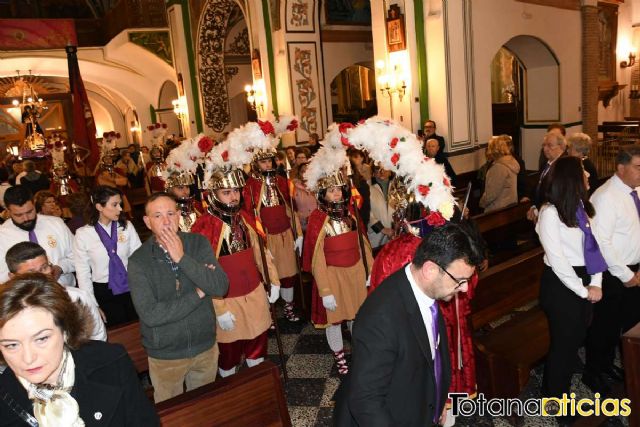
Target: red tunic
<point>395,255</point>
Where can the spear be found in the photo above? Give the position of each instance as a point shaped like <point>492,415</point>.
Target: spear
<point>357,215</point>
<point>294,228</point>
<point>267,279</point>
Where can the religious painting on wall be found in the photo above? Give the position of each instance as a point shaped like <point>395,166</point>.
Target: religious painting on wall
<point>348,12</point>
<point>274,7</point>
<point>395,29</point>
<point>304,76</point>
<point>300,16</point>
<point>608,34</point>
<point>156,42</point>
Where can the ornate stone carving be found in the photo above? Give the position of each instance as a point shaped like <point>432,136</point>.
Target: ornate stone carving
<point>230,72</point>
<point>213,76</point>
<point>240,44</point>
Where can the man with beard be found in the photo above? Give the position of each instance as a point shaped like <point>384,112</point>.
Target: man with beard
<point>49,232</point>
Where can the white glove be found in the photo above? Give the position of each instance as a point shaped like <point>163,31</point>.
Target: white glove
<point>226,321</point>
<point>368,282</point>
<point>274,293</point>
<point>330,303</point>
<point>298,245</point>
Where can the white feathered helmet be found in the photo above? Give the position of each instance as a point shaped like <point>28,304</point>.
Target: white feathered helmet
<point>182,162</point>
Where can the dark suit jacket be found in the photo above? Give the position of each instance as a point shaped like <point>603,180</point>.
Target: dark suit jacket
<point>106,387</point>
<point>391,380</point>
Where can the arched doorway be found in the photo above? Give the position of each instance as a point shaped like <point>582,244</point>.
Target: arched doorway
<point>353,94</point>
<point>525,93</point>
<point>164,112</point>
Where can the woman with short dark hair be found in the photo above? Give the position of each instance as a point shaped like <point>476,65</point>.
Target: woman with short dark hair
<point>572,276</point>
<point>55,376</point>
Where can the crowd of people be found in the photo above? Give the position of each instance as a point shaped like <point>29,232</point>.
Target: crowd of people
<point>204,283</point>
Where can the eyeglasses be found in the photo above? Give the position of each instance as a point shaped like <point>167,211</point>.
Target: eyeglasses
<point>460,282</point>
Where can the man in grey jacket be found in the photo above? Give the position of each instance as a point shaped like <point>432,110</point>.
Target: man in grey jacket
<point>172,278</point>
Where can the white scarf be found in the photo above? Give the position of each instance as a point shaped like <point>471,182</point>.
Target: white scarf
<point>53,406</point>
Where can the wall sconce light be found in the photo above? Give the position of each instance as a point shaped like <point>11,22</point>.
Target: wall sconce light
<point>180,108</point>
<point>630,63</point>
<point>391,80</point>
<point>255,96</point>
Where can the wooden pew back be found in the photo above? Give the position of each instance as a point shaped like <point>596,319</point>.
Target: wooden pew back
<point>501,218</point>
<point>507,286</point>
<point>253,397</point>
<point>129,336</point>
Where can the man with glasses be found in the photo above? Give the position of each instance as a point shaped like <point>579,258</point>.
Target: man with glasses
<point>29,257</point>
<point>400,370</point>
<point>429,129</point>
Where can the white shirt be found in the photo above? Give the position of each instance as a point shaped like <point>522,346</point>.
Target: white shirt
<point>618,226</point>
<point>99,333</point>
<point>563,249</point>
<point>53,235</point>
<point>424,304</point>
<point>91,257</point>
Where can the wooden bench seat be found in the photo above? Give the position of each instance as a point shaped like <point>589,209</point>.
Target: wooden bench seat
<point>253,397</point>
<point>506,353</point>
<point>129,336</point>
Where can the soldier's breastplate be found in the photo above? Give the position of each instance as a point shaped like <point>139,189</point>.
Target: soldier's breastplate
<point>271,196</point>
<point>186,221</point>
<point>235,238</point>
<point>336,227</point>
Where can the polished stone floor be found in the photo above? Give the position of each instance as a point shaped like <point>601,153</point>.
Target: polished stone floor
<point>313,380</point>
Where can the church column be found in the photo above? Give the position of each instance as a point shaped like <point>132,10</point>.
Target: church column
<point>590,60</point>
<point>184,63</point>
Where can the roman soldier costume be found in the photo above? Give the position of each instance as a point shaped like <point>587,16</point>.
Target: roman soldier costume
<point>333,251</point>
<point>270,194</point>
<point>181,167</point>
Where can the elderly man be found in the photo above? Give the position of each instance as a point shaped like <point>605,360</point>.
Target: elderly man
<point>49,232</point>
<point>29,257</point>
<point>579,145</point>
<point>554,145</point>
<point>617,222</point>
<point>433,150</point>
<point>429,129</point>
<point>172,278</point>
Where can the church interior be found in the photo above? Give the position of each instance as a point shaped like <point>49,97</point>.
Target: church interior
<point>81,79</point>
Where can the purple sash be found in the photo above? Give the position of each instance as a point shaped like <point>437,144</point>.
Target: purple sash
<point>593,259</point>
<point>117,272</point>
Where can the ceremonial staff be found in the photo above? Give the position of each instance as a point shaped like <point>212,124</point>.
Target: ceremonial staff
<point>294,228</point>
<point>267,279</point>
<point>357,215</point>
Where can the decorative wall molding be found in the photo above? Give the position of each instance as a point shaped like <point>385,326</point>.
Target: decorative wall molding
<point>305,87</point>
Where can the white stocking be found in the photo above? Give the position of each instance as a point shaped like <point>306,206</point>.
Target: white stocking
<point>286,294</point>
<point>225,374</point>
<point>334,337</point>
<point>350,325</point>
<point>254,362</point>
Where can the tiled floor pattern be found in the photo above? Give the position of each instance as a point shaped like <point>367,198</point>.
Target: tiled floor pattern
<point>313,380</point>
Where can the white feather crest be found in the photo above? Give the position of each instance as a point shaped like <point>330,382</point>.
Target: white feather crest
<point>283,123</point>
<point>184,158</point>
<point>399,150</point>
<point>329,159</point>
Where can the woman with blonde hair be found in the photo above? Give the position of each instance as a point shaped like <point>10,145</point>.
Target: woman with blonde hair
<point>501,187</point>
<point>55,376</point>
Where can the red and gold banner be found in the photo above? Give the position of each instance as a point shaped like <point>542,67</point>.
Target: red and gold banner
<point>33,34</point>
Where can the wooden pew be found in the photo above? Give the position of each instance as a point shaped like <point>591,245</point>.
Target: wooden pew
<point>501,218</point>
<point>253,397</point>
<point>506,353</point>
<point>129,336</point>
<point>631,357</point>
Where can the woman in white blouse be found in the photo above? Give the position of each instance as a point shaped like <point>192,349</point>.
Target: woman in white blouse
<point>101,253</point>
<point>572,276</point>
